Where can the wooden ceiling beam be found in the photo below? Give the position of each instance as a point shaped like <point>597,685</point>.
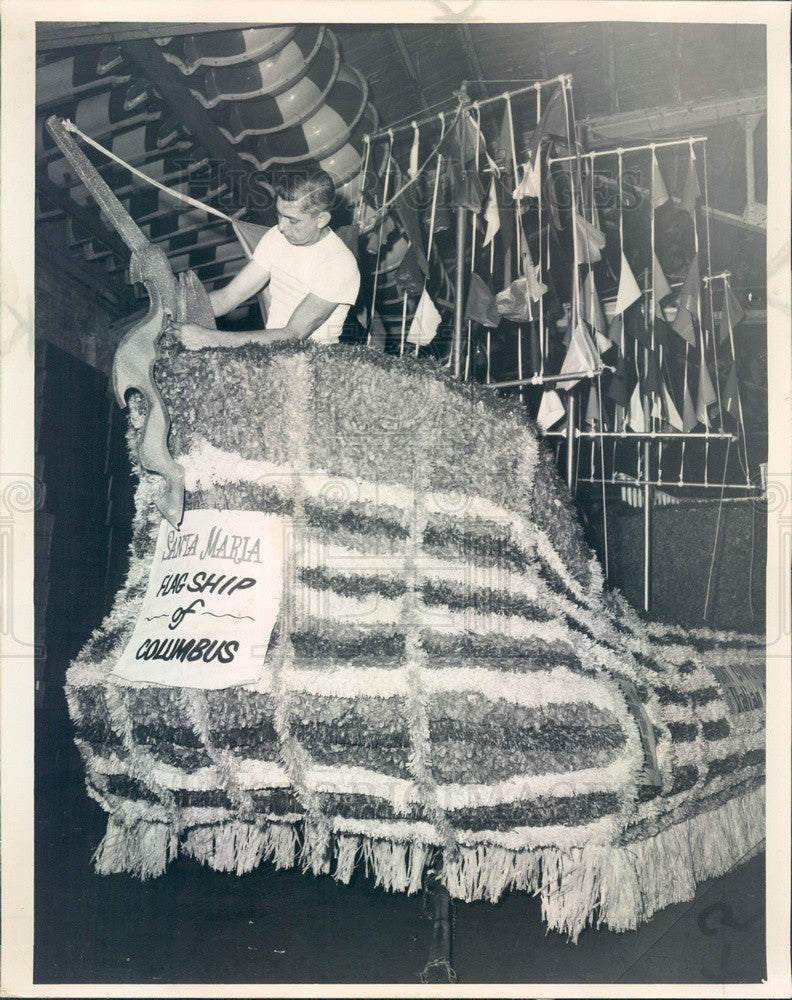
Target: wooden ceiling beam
<point>409,68</point>
<point>471,55</point>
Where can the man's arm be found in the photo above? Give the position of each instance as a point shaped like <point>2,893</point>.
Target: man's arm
<point>251,279</point>
<point>307,317</point>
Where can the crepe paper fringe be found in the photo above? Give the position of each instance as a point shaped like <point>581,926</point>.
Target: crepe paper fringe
<point>618,886</point>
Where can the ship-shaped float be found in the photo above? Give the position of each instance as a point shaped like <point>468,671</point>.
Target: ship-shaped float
<point>445,672</point>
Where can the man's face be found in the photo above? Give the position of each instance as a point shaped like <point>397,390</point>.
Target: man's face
<point>300,227</point>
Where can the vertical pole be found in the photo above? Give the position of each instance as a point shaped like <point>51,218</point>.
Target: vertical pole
<point>459,292</point>
<point>570,438</point>
<point>648,496</point>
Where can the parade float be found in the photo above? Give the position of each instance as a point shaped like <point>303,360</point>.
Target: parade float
<point>361,627</point>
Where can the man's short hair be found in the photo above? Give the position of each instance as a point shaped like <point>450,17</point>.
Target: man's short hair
<point>315,190</point>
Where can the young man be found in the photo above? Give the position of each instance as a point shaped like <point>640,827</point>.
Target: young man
<point>313,277</point>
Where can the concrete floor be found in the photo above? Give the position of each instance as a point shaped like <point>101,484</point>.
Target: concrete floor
<point>194,925</point>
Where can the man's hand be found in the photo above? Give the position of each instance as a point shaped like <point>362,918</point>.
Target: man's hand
<point>195,337</point>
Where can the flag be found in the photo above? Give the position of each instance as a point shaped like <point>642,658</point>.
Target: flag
<point>593,413</point>
<point>591,312</point>
<point>581,356</point>
<point>551,410</point>
<point>480,305</point>
<point>622,382</point>
<point>491,214</point>
<point>615,329</point>
<point>636,418</point>
<point>729,394</point>
<point>736,313</point>
<point>683,325</point>
<point>660,285</point>
<point>412,169</point>
<point>592,239</point>
<point>634,325</point>
<point>691,191</point>
<point>530,185</point>
<point>408,216</point>
<point>629,291</point>
<point>705,396</point>
<point>471,195</point>
<point>662,332</point>
<point>652,381</point>
<point>409,277</point>
<point>377,334</point>
<point>689,292</point>
<point>731,314</point>
<point>552,122</point>
<point>514,302</point>
<point>659,192</point>
<point>425,322</point>
<point>689,419</point>
<point>503,144</point>
<point>670,411</point>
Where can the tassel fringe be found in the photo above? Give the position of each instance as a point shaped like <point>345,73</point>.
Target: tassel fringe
<point>619,886</point>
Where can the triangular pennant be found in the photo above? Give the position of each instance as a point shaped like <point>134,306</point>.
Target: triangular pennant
<point>622,383</point>
<point>659,191</point>
<point>660,284</point>
<point>408,215</point>
<point>593,414</point>
<point>663,333</point>
<point>729,394</point>
<point>652,381</point>
<point>502,150</point>
<point>683,325</point>
<point>377,334</point>
<point>689,419</point>
<point>471,195</point>
<point>629,291</point>
<point>590,308</point>
<point>635,326</point>
<point>514,302</point>
<point>491,214</point>
<point>551,410</point>
<point>706,395</point>
<point>691,288</point>
<point>670,411</point>
<point>530,185</point>
<point>409,277</point>
<point>480,305</point>
<point>412,169</point>
<point>636,418</point>
<point>552,122</point>
<point>592,241</point>
<point>691,191</point>
<point>581,356</point>
<point>731,314</point>
<point>425,322</point>
<point>615,329</point>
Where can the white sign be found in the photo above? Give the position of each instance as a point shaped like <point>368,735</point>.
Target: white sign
<point>213,596</point>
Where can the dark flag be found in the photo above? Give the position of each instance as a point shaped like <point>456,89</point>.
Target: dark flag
<point>691,191</point>
<point>409,277</point>
<point>480,305</point>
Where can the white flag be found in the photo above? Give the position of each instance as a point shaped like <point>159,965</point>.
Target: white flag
<point>530,185</point>
<point>491,214</point>
<point>551,410</point>
<point>636,418</point>
<point>425,322</point>
<point>629,291</point>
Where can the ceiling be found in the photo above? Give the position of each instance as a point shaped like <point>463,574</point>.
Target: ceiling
<point>159,97</point>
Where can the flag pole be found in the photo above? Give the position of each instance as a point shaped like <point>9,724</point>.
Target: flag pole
<point>459,290</point>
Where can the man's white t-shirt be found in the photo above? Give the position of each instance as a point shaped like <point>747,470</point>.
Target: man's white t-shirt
<point>326,268</point>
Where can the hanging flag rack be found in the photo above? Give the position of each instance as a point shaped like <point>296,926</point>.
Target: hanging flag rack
<point>594,153</point>
<point>645,435</point>
<point>463,101</point>
<point>542,379</point>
